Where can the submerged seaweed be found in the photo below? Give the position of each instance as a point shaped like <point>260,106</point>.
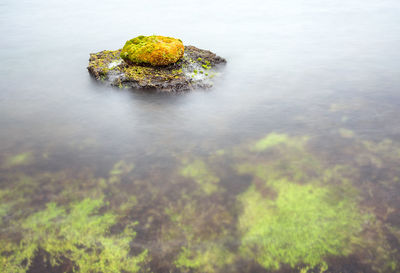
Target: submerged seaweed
<point>293,210</point>
<point>78,234</point>
<point>301,226</point>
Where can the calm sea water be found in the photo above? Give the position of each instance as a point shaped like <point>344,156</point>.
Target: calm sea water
<point>309,98</point>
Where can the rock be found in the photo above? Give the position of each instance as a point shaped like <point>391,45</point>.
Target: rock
<point>196,69</point>
<point>153,50</point>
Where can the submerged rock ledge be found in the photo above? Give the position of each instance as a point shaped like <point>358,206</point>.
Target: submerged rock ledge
<point>196,69</point>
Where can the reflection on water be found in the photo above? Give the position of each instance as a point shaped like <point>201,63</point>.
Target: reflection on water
<point>290,164</point>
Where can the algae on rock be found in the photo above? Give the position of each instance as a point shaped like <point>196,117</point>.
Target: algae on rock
<point>156,62</point>
<point>154,50</point>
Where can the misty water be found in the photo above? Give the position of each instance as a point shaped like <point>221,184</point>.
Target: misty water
<point>290,163</point>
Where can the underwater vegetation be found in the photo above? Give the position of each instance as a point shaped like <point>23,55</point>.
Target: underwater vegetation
<point>275,139</point>
<point>212,258</point>
<point>19,159</point>
<point>202,231</point>
<point>76,233</point>
<point>300,226</point>
<point>274,204</point>
<point>197,170</point>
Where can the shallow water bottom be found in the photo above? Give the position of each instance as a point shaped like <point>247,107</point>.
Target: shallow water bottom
<point>276,204</point>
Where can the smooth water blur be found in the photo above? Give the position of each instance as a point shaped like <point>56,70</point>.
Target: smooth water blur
<point>327,70</point>
<point>286,59</point>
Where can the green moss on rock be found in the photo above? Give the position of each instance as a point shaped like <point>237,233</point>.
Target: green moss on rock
<point>179,76</point>
<point>154,50</point>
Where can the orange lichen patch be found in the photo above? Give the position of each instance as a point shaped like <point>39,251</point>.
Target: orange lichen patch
<point>154,50</point>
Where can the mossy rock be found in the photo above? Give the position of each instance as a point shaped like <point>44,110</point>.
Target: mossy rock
<point>196,69</point>
<point>154,50</point>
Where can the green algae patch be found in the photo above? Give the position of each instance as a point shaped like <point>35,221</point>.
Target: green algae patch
<point>19,159</point>
<point>4,206</point>
<point>386,149</point>
<point>119,169</point>
<point>77,233</point>
<point>209,260</point>
<point>201,229</point>
<point>195,221</point>
<point>300,226</point>
<point>377,250</point>
<point>276,139</point>
<point>298,211</point>
<point>199,172</point>
<point>270,140</point>
<point>154,50</point>
<point>289,160</point>
<point>346,133</point>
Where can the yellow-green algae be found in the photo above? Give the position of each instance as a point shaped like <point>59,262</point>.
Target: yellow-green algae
<point>274,139</point>
<point>54,230</point>
<point>77,233</point>
<point>202,228</point>
<point>346,133</point>
<point>302,211</point>
<point>120,168</point>
<point>300,226</point>
<point>211,259</point>
<point>376,249</point>
<point>298,212</point>
<point>4,207</point>
<point>198,171</point>
<point>19,159</point>
<point>154,50</point>
<point>289,159</point>
<point>200,222</point>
